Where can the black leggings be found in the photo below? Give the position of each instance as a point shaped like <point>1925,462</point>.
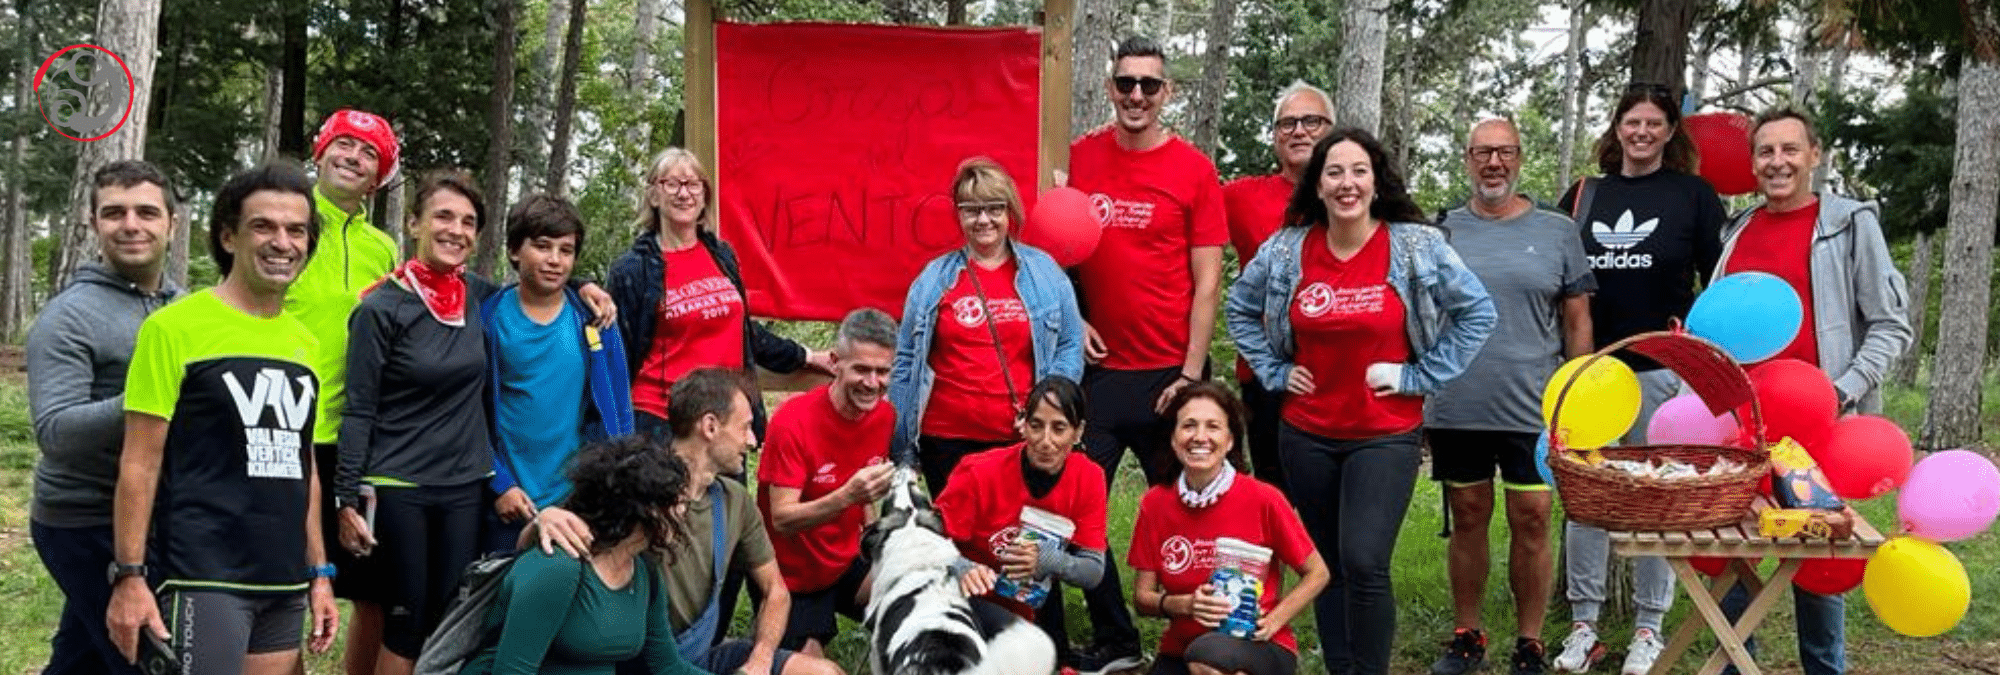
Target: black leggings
<point>424,538</point>
<point>1352,496</point>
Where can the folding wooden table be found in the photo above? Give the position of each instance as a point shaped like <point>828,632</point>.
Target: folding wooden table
<point>1743,546</point>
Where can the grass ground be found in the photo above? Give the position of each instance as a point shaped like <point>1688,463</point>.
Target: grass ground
<point>29,602</point>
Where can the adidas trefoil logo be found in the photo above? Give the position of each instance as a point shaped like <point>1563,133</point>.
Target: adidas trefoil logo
<point>1623,234</point>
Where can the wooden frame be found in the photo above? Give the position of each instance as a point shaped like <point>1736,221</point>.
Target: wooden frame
<point>699,95</point>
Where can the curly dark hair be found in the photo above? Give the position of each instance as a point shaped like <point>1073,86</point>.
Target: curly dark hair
<point>626,485</point>
<point>1232,408</point>
<point>1392,195</point>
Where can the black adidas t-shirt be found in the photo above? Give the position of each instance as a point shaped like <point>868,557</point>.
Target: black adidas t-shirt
<point>1649,239</point>
<point>238,393</point>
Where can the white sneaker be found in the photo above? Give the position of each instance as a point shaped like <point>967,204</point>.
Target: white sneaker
<point>1644,651</point>
<point>1581,650</point>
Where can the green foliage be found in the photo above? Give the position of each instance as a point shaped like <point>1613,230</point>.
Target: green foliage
<point>1902,151</point>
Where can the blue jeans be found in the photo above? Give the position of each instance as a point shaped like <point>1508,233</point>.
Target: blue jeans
<point>76,558</point>
<point>1822,625</point>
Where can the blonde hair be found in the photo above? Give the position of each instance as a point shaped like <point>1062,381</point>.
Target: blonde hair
<point>647,216</point>
<point>982,178</point>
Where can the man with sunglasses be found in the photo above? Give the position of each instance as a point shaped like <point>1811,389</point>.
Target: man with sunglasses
<point>1531,260</point>
<point>1149,296</point>
<point>1256,208</point>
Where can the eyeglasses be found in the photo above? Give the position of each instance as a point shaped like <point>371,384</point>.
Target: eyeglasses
<point>1485,153</point>
<point>970,210</point>
<point>673,186</point>
<point>1147,85</point>
<point>1311,123</point>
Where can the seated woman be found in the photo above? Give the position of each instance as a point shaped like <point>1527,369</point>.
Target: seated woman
<point>983,501</point>
<point>1174,547</point>
<point>564,616</point>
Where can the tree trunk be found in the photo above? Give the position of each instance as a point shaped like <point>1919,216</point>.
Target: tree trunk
<point>129,29</point>
<point>1357,94</point>
<point>177,243</point>
<point>274,110</point>
<point>395,212</point>
<point>16,269</point>
<point>1836,71</point>
<point>1806,75</point>
<point>292,141</point>
<point>557,182</point>
<point>1096,38</point>
<point>1919,277</point>
<point>1660,42</point>
<point>1579,25</point>
<point>901,12</point>
<point>1957,372</point>
<point>645,29</point>
<point>1704,51</point>
<point>1205,131</point>
<point>500,120</point>
<point>954,12</point>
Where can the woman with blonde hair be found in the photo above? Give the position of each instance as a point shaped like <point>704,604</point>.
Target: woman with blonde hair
<point>682,290</point>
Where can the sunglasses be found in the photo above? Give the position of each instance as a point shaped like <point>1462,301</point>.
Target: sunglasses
<point>1147,85</point>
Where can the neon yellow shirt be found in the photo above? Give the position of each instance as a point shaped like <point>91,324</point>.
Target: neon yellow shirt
<point>352,255</point>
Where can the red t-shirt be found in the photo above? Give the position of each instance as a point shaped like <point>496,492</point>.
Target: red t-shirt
<point>970,398</point>
<point>1177,543</point>
<point>1155,206</point>
<point>1346,316</point>
<point>812,448</point>
<point>1780,244</point>
<point>1256,207</point>
<point>700,324</point>
<point>981,506</point>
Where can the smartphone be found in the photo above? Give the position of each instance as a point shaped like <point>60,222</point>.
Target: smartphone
<point>156,657</point>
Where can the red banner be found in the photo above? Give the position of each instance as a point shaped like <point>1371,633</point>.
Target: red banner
<point>837,145</point>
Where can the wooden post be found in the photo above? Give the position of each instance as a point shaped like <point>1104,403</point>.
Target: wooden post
<point>1057,52</point>
<point>698,92</point>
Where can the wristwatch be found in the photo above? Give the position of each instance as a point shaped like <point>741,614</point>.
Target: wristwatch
<point>325,571</point>
<point>119,570</point>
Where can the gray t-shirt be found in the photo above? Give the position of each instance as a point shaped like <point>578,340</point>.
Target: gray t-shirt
<point>1529,264</point>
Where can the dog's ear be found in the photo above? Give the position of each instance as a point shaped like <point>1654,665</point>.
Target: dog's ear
<point>929,519</point>
<point>876,534</point>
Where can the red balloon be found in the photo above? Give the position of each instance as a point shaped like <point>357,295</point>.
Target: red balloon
<point>1064,223</point>
<point>1723,139</point>
<point>1797,399</point>
<point>1864,456</point>
<point>1830,576</point>
<point>1710,566</point>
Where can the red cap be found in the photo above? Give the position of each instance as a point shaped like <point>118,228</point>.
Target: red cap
<point>369,128</point>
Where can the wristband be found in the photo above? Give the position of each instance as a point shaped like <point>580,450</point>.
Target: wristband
<point>1185,377</point>
<point>1162,606</point>
<point>325,571</point>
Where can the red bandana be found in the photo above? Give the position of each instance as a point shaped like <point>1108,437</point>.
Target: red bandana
<point>443,290</point>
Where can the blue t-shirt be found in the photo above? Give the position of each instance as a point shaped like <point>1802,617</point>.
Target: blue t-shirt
<point>539,414</point>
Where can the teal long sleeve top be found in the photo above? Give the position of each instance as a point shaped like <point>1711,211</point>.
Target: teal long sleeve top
<point>554,616</point>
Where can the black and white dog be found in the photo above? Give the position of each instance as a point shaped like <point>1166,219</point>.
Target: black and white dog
<point>918,622</point>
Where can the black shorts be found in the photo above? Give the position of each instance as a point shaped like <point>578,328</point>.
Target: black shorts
<point>1230,655</point>
<point>1463,458</point>
<point>211,631</point>
<point>813,613</point>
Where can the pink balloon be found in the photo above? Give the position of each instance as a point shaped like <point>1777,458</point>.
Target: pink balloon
<point>1685,420</point>
<point>1950,495</point>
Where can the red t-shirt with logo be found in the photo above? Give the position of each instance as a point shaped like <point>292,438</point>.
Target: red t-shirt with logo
<point>1177,542</point>
<point>1256,207</point>
<point>981,506</point>
<point>700,324</point>
<point>970,398</point>
<point>812,448</point>
<point>1346,316</point>
<point>1780,244</point>
<point>1155,205</point>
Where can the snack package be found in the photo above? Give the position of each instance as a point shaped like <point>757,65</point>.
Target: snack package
<point>1796,481</point>
<point>1045,529</point>
<point>1239,574</point>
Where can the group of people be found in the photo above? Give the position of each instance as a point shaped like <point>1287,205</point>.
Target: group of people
<point>397,420</point>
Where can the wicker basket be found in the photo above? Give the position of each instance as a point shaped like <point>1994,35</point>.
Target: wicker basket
<point>1616,500</point>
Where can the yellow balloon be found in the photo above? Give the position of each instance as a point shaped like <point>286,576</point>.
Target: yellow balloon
<point>1599,408</point>
<point>1916,587</point>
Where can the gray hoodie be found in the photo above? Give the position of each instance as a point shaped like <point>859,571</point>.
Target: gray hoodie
<point>1860,302</point>
<point>77,353</point>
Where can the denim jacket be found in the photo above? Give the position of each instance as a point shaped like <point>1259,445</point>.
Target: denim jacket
<point>1860,301</point>
<point>1056,330</point>
<point>1449,313</point>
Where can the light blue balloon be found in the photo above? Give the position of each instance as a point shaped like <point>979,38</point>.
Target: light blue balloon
<point>1751,315</point>
<point>1542,458</point>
